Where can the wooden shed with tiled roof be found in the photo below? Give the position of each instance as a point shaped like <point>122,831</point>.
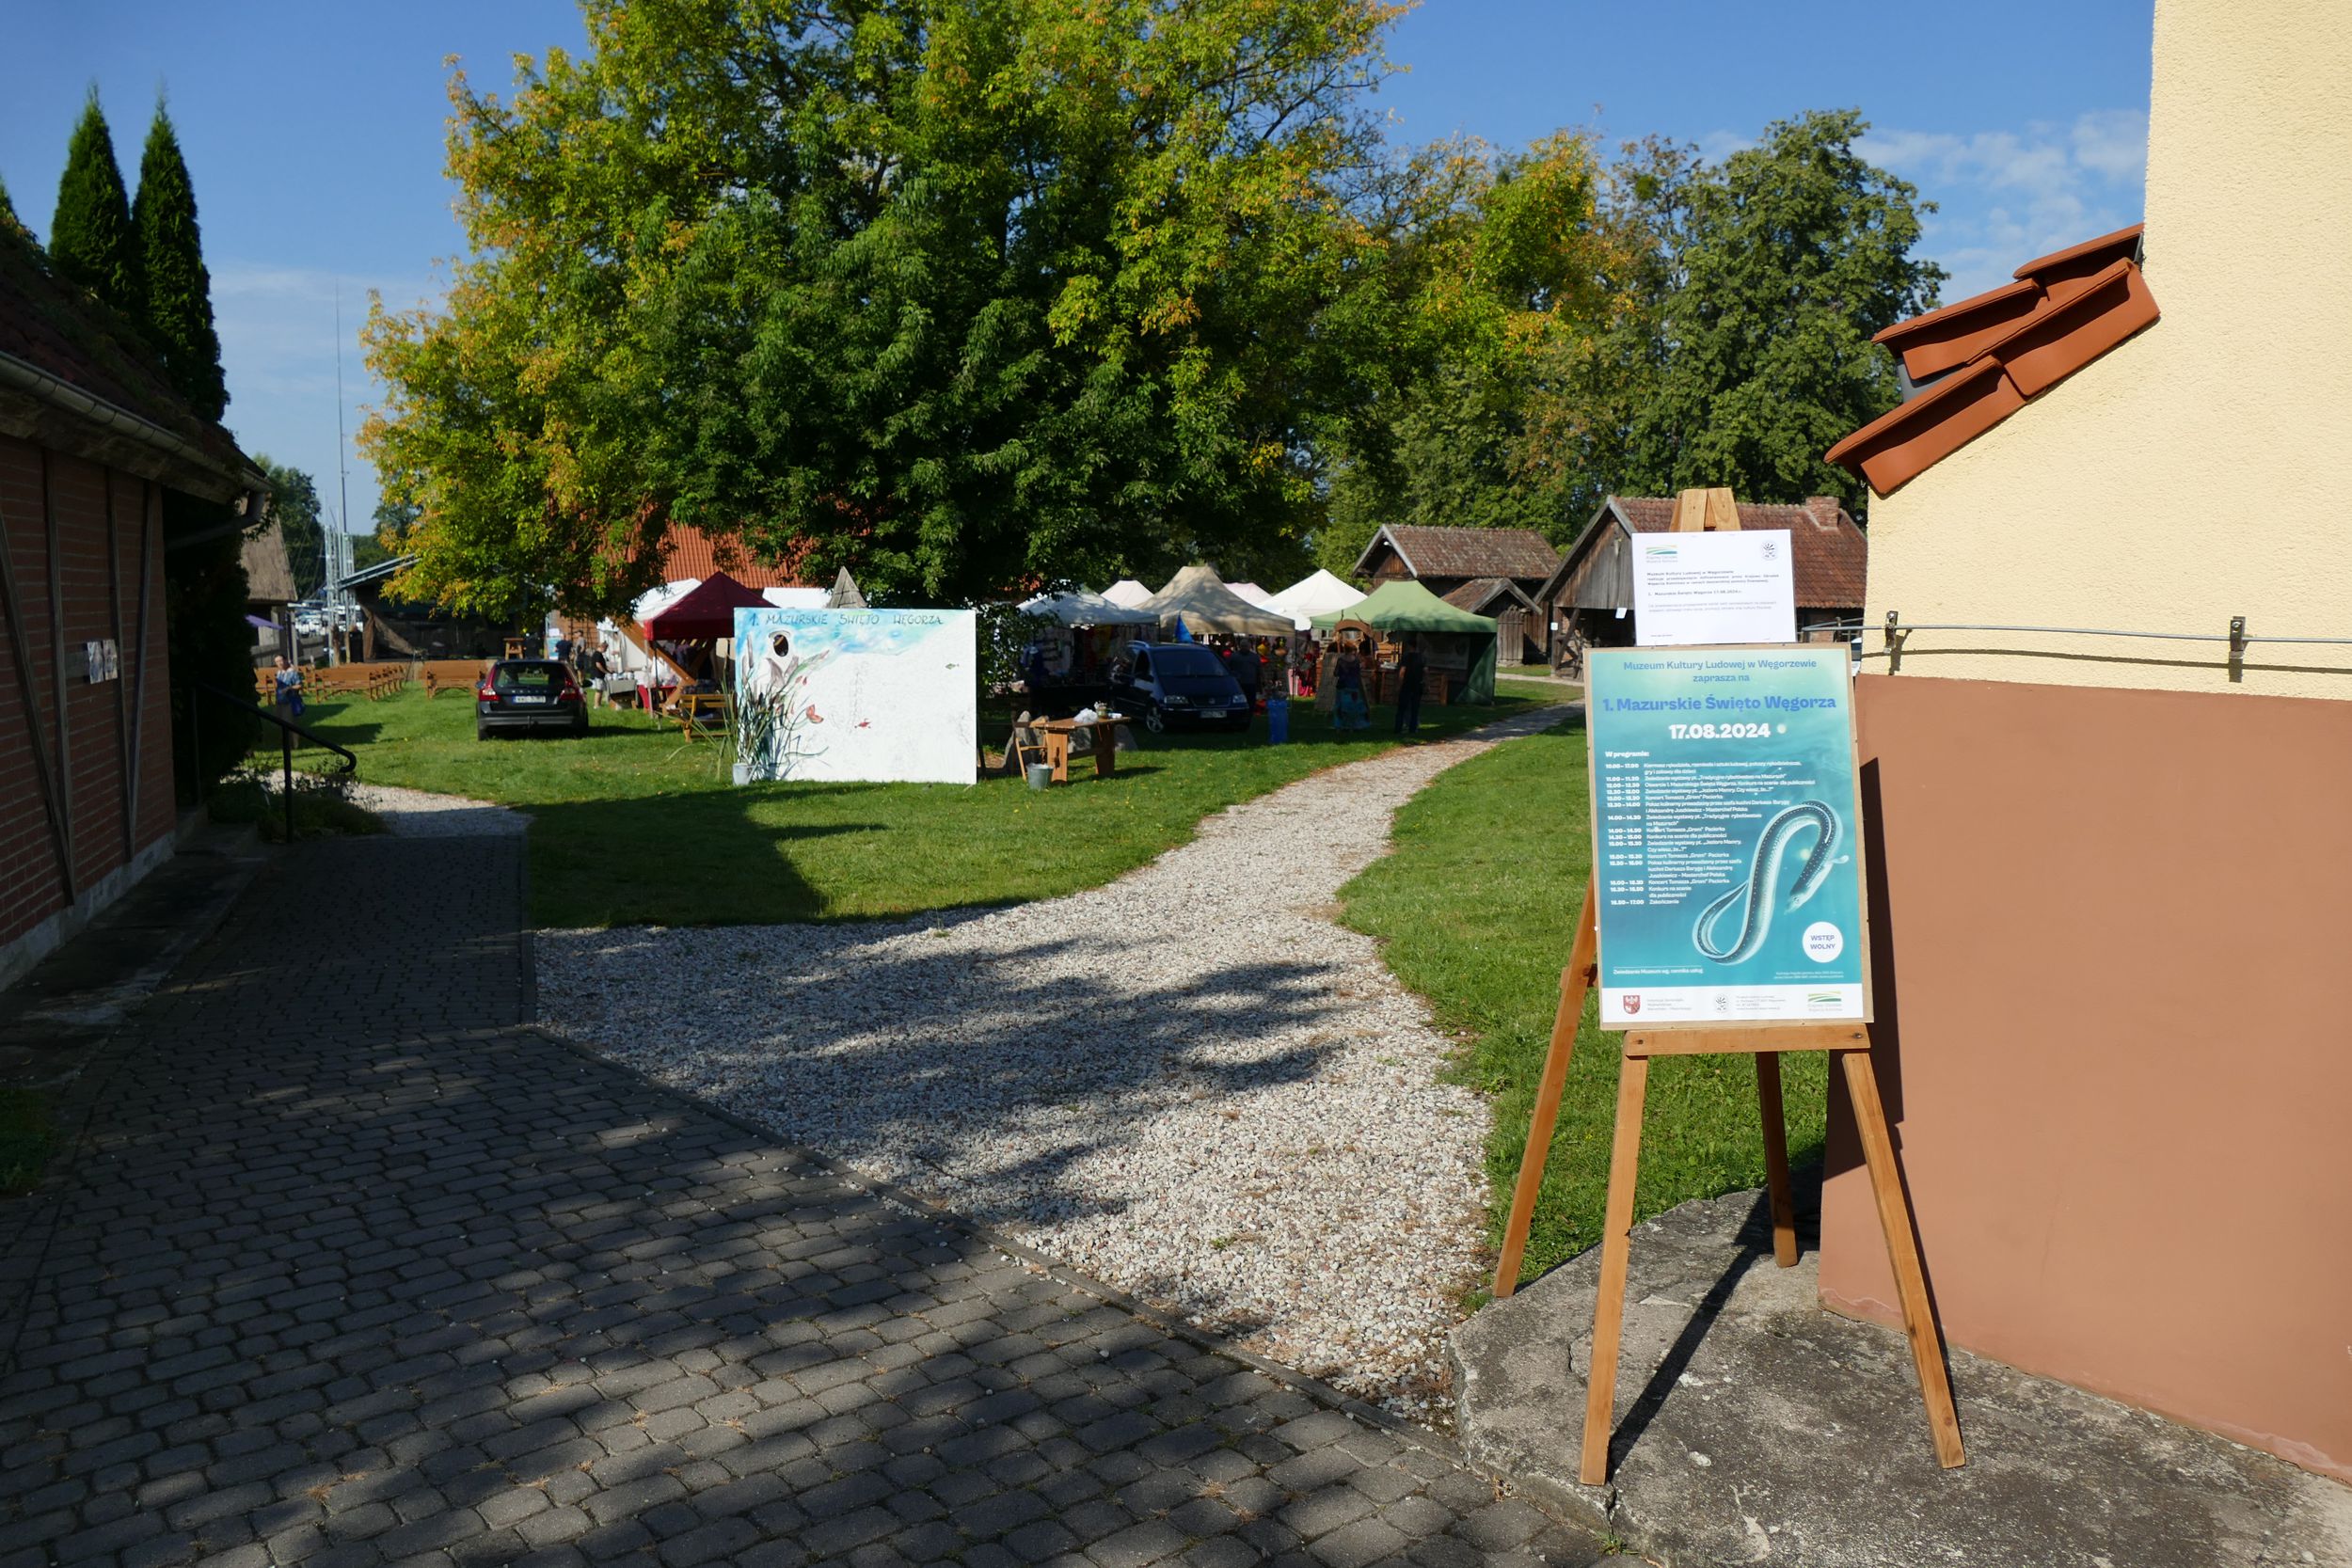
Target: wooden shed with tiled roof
<point>1520,634</point>
<point>1587,601</point>
<point>1444,558</point>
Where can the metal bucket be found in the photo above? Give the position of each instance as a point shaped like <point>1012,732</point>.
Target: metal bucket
<point>1040,774</point>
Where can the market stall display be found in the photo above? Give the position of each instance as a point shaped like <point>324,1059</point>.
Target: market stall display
<point>1460,647</point>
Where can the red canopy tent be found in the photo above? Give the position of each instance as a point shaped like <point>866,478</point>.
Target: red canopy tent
<point>704,613</point>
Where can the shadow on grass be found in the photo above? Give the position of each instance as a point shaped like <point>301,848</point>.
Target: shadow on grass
<point>601,863</point>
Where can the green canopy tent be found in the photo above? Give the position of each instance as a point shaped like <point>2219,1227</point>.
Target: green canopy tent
<point>1461,646</point>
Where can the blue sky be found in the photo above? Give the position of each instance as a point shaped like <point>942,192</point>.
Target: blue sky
<point>314,132</point>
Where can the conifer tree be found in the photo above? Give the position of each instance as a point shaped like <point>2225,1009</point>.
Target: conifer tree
<point>91,242</point>
<point>179,289</point>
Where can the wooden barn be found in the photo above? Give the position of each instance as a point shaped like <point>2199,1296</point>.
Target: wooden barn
<point>1588,600</point>
<point>1486,570</point>
<point>1521,633</point>
<point>92,440</point>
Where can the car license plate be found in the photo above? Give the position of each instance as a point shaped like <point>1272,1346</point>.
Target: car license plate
<point>523,699</point>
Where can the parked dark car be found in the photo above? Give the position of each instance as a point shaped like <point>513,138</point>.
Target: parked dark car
<point>526,694</point>
<point>1179,683</point>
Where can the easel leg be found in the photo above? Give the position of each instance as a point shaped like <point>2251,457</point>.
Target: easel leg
<point>1776,1158</point>
<point>1616,1246</point>
<point>1903,1251</point>
<point>1574,981</point>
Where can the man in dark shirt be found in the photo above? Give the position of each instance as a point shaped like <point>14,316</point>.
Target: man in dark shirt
<point>1243,663</point>
<point>1410,671</point>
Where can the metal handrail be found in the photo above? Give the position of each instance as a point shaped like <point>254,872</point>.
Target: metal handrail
<point>2238,632</point>
<point>288,730</point>
<point>1896,634</point>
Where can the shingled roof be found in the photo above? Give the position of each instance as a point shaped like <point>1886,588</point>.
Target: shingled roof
<point>1479,592</point>
<point>1464,552</point>
<point>1830,555</point>
<point>77,377</point>
<point>1979,360</point>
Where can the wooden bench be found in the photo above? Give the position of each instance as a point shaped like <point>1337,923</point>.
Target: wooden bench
<point>450,675</point>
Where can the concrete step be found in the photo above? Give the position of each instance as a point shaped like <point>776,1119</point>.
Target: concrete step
<point>1755,1427</point>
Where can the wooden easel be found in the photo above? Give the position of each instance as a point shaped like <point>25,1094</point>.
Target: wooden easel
<point>1849,1043</point>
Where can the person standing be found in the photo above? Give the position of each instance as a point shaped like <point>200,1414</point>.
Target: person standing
<point>1347,682</point>
<point>1411,670</point>
<point>286,691</point>
<point>1242,662</point>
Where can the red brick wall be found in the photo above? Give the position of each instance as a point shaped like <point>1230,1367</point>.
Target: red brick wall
<point>97,579</point>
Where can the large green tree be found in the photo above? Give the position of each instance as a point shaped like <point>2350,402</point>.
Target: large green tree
<point>293,505</point>
<point>957,294</point>
<point>91,240</point>
<point>1778,266</point>
<point>178,286</point>
<point>1491,271</point>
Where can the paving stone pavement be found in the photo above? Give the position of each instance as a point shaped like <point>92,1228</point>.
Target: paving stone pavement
<point>349,1266</point>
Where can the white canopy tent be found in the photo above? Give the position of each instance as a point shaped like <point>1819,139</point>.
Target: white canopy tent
<point>1310,596</point>
<point>1127,592</point>
<point>1254,594</point>
<point>1079,608</point>
<point>1198,597</point>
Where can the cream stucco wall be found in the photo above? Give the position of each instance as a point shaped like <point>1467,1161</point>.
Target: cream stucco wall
<point>2204,470</point>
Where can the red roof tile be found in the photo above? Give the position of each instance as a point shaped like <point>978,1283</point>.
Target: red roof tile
<point>1831,556</point>
<point>1987,355</point>
<point>693,553</point>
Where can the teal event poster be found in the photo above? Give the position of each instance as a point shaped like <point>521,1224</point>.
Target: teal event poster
<point>1725,835</point>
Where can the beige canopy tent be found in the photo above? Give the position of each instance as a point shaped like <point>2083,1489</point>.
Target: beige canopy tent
<point>1198,597</point>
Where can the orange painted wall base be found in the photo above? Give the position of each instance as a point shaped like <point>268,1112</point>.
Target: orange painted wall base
<point>2114,991</point>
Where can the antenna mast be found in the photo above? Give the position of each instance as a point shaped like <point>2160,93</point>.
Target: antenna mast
<point>338,547</point>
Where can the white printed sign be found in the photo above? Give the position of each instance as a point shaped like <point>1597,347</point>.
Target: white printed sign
<point>1697,589</point>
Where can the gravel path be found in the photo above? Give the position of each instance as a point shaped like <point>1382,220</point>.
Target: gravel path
<point>419,814</point>
<point>1190,1084</point>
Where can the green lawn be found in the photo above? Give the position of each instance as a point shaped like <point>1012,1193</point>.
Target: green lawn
<point>1475,909</point>
<point>632,824</point>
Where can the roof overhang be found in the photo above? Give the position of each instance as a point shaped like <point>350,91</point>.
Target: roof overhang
<point>2067,327</point>
<point>39,408</point>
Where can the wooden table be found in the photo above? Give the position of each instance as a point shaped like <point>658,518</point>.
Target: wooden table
<point>1056,733</point>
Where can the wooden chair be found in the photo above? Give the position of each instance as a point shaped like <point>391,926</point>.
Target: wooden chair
<point>1023,747</point>
<point>702,714</point>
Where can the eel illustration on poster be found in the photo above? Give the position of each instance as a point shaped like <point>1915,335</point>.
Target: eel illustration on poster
<point>1771,849</point>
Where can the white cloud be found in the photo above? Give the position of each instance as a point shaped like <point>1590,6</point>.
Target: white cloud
<point>2005,197</point>
<point>1715,146</point>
